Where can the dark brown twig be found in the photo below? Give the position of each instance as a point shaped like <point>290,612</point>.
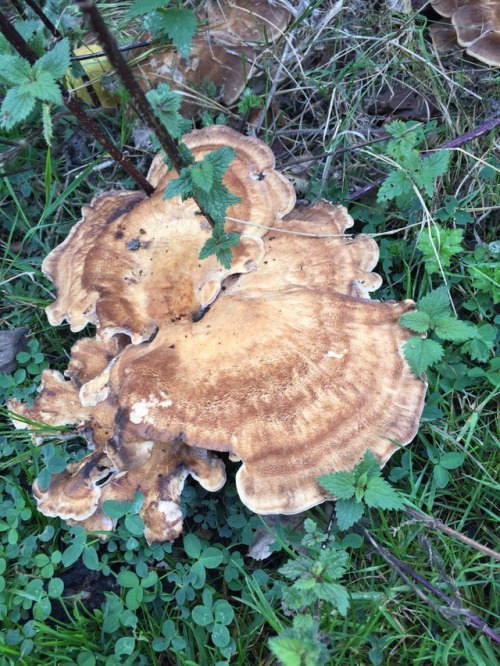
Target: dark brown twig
<point>24,50</point>
<point>128,79</point>
<point>407,573</point>
<point>44,19</point>
<point>122,49</point>
<point>110,47</point>
<point>434,523</point>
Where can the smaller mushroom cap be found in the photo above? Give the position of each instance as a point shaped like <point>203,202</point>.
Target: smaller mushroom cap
<point>477,27</point>
<point>78,493</point>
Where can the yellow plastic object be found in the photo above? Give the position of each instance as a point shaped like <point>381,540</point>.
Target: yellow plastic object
<point>95,69</point>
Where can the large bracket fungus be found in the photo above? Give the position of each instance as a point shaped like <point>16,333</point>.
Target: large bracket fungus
<point>283,361</point>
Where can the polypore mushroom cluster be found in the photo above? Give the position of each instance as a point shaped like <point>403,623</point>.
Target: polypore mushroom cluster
<point>474,24</point>
<point>281,361</point>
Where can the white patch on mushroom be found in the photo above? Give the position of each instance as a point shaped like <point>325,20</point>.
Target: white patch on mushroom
<point>332,354</point>
<point>140,411</point>
<point>171,510</point>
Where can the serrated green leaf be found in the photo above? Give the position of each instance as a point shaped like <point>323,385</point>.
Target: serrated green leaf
<point>421,354</point>
<point>396,184</point>
<point>166,104</point>
<point>339,484</point>
<point>416,321</point>
<point>440,243</point>
<point>16,106</point>
<point>289,651</point>
<point>436,303</point>
<point>178,24</point>
<point>348,512</point>
<point>179,187</point>
<point>14,69</point>
<point>380,494</point>
<point>436,164</point>
<point>455,330</point>
<point>336,594</point>
<point>143,7</point>
<point>56,61</point>
<point>43,88</point>
<point>202,175</point>
<point>224,257</point>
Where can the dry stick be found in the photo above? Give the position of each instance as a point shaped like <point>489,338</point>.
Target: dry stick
<point>126,75</point>
<point>58,35</point>
<point>22,47</point>
<point>438,525</point>
<point>406,572</point>
<point>122,49</point>
<point>454,143</point>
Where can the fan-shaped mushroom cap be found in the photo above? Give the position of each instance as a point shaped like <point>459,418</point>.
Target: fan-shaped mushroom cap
<point>78,493</point>
<point>224,53</point>
<point>58,404</point>
<point>477,27</point>
<point>152,245</point>
<point>294,369</point>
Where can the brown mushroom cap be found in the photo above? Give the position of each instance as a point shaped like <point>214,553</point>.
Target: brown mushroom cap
<point>294,370</point>
<point>152,245</point>
<point>476,24</point>
<point>78,493</point>
<point>224,52</point>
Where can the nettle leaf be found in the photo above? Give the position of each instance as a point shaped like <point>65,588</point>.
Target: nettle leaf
<point>56,62</point>
<point>437,163</point>
<point>220,246</point>
<point>202,175</point>
<point>180,186</point>
<point>339,484</point>
<point>422,353</point>
<point>14,69</point>
<point>441,243</point>
<point>178,24</point>
<point>396,184</point>
<point>480,347</point>
<point>143,7</point>
<point>416,321</point>
<point>436,303</point>
<point>166,104</point>
<point>43,87</point>
<point>455,330</point>
<point>16,106</point>
<point>348,512</point>
<point>336,594</point>
<point>380,494</point>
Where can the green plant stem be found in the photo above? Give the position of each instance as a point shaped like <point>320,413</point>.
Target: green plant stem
<point>407,573</point>
<point>128,79</point>
<point>24,50</point>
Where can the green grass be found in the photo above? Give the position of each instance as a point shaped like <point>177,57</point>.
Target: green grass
<point>63,596</point>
